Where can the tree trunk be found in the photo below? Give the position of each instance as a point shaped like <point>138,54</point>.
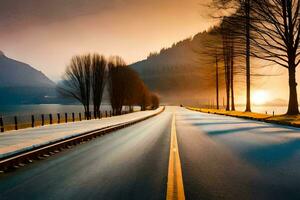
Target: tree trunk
<point>88,112</point>
<point>217,83</point>
<point>248,80</point>
<point>95,113</point>
<point>293,107</point>
<point>228,89</point>
<point>231,79</point>
<point>227,68</point>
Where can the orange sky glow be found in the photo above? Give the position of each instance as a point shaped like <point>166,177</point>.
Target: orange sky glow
<point>130,30</point>
<point>46,34</point>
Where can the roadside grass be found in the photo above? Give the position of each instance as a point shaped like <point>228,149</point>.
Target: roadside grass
<point>290,120</point>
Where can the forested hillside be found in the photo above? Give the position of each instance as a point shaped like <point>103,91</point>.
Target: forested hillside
<point>178,73</point>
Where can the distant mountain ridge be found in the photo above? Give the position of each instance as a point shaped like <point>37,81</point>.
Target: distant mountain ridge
<point>22,84</point>
<point>18,74</point>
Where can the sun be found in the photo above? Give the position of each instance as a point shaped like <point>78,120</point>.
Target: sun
<point>259,97</point>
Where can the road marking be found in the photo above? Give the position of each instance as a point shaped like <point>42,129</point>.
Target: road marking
<point>175,190</point>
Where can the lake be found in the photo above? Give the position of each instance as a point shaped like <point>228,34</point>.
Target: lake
<point>24,112</point>
<point>20,110</point>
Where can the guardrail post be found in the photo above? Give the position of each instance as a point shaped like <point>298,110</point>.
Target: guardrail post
<point>43,120</point>
<point>79,116</point>
<point>1,124</point>
<point>73,117</point>
<point>66,117</point>
<point>58,118</point>
<point>32,121</point>
<point>50,118</point>
<point>16,123</point>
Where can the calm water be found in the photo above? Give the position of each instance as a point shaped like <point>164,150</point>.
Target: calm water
<point>20,110</point>
<point>24,112</point>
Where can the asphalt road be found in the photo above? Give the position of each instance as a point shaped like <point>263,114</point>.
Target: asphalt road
<point>221,158</point>
<point>131,163</point>
<point>230,158</point>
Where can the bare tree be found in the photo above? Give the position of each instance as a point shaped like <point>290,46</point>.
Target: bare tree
<point>135,89</point>
<point>98,69</point>
<point>211,52</point>
<point>247,8</point>
<point>217,60</point>
<point>144,101</point>
<point>125,86</point>
<point>117,83</point>
<point>76,82</point>
<point>242,11</point>
<point>232,69</point>
<point>233,54</point>
<point>228,62</point>
<point>277,35</point>
<point>227,71</point>
<point>154,101</point>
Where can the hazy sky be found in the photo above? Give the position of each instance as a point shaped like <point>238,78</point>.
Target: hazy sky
<point>46,33</point>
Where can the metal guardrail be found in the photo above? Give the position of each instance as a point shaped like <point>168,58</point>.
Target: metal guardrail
<point>15,161</point>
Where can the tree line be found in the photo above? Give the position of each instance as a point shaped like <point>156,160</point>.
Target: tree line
<point>261,29</point>
<point>88,76</point>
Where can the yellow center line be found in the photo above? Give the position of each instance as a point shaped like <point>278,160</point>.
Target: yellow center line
<point>175,190</point>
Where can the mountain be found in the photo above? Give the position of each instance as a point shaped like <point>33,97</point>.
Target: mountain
<point>177,74</point>
<point>18,74</point>
<point>22,84</point>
